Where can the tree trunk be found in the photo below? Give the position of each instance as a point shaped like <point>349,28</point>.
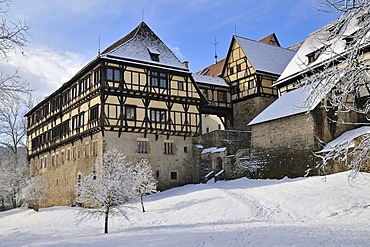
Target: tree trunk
<point>142,203</point>
<point>106,221</point>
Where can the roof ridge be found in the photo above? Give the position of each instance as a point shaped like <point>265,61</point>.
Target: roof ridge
<point>125,39</point>
<point>256,41</point>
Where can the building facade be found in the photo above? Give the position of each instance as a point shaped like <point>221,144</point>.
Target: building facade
<point>137,96</point>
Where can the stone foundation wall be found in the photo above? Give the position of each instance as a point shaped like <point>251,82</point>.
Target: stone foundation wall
<point>246,110</point>
<point>62,172</point>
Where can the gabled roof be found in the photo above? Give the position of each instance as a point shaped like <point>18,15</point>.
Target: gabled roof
<point>328,47</point>
<point>140,45</point>
<point>213,69</point>
<point>264,57</point>
<point>210,80</point>
<point>271,39</point>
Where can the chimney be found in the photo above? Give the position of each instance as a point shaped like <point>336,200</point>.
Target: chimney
<point>186,64</point>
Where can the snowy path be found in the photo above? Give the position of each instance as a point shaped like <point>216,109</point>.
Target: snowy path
<point>296,212</point>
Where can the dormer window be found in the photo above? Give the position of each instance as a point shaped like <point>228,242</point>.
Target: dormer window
<point>349,40</point>
<point>312,57</point>
<point>154,54</point>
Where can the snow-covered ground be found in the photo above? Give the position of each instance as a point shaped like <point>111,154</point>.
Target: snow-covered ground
<point>313,211</point>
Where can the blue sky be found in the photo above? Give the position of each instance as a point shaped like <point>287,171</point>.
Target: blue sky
<point>64,34</point>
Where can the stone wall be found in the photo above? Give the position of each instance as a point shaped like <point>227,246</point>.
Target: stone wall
<point>63,166</point>
<point>285,146</point>
<point>183,161</point>
<point>63,173</point>
<point>233,140</point>
<point>244,111</point>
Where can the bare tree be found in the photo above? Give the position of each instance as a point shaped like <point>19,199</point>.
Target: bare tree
<point>145,181</point>
<point>13,35</point>
<point>342,78</point>
<point>13,129</point>
<point>112,186</point>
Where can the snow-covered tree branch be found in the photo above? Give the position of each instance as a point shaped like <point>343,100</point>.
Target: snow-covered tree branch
<point>109,188</point>
<point>13,36</point>
<point>34,192</point>
<point>146,183</point>
<point>341,75</point>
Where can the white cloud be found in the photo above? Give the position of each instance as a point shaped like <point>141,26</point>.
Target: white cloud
<point>44,69</point>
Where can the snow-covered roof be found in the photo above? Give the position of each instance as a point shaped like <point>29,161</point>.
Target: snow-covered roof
<point>297,101</point>
<point>291,103</point>
<point>139,45</point>
<point>319,41</point>
<point>213,150</point>
<point>217,81</point>
<point>265,57</point>
<point>346,140</point>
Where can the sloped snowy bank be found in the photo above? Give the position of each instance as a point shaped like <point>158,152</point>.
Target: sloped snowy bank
<point>313,211</point>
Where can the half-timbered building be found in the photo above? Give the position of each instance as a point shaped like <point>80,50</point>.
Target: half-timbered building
<point>287,133</point>
<point>137,96</point>
<point>250,69</point>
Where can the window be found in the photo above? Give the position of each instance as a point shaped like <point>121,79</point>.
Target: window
<point>97,76</point>
<point>168,148</point>
<point>62,157</point>
<point>207,129</point>
<point>185,149</point>
<point>65,97</point>
<point>53,160</point>
<point>68,157</point>
<point>205,93</point>
<point>81,119</point>
<point>238,67</point>
<point>251,84</point>
<point>81,86</point>
<point>74,91</point>
<point>180,85</point>
<point>158,79</point>
<point>74,122</point>
<point>87,150</point>
<point>87,82</point>
<point>312,57</point>
<point>222,96</point>
<point>231,70</point>
<point>154,54</point>
<point>74,153</point>
<point>235,89</point>
<point>173,175</point>
<point>113,74</point>
<point>94,113</point>
<point>142,147</point>
<point>157,115</point>
<point>95,148</point>
<point>130,112</point>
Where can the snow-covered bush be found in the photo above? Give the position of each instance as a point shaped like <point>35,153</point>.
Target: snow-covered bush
<point>34,193</point>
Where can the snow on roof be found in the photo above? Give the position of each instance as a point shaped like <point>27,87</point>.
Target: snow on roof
<point>213,150</point>
<point>315,42</point>
<point>218,81</point>
<point>346,140</point>
<point>289,104</point>
<point>297,101</point>
<point>265,57</point>
<point>138,46</point>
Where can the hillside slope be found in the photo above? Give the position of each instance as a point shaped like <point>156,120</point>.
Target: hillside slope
<point>313,211</point>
